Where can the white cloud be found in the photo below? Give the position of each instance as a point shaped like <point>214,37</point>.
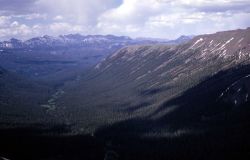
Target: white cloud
<point>170,19</point>
<point>136,18</point>
<point>76,11</point>
<point>16,30</point>
<point>64,28</point>
<point>4,20</point>
<point>58,18</point>
<point>14,24</point>
<point>35,16</point>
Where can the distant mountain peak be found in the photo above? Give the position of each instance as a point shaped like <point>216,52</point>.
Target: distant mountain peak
<point>73,40</point>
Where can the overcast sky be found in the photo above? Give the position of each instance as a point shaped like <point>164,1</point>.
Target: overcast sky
<point>136,18</point>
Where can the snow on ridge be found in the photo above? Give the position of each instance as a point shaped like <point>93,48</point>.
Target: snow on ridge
<point>107,66</point>
<point>223,53</point>
<point>142,76</point>
<point>215,47</point>
<point>161,66</point>
<point>232,85</point>
<point>114,55</point>
<point>211,42</point>
<point>222,46</point>
<point>227,42</point>
<point>240,40</point>
<point>98,66</point>
<point>240,54</point>
<point>198,41</point>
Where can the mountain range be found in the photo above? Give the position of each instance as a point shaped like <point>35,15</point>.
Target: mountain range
<point>146,81</point>
<point>135,98</point>
<point>77,40</point>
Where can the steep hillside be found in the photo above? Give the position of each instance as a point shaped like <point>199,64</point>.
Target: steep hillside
<point>137,81</point>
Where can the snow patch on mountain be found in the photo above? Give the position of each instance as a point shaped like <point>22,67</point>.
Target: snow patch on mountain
<point>198,41</point>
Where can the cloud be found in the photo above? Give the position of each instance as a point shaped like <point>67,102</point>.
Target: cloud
<point>66,28</point>
<point>135,18</point>
<point>58,18</point>
<point>17,6</point>
<point>77,11</point>
<point>170,19</point>
<point>15,29</point>
<point>4,21</point>
<point>31,16</point>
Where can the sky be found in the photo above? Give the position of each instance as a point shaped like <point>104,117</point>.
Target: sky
<point>166,19</point>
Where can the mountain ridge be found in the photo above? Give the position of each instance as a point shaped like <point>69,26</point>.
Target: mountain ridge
<point>139,79</point>
<point>78,40</point>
